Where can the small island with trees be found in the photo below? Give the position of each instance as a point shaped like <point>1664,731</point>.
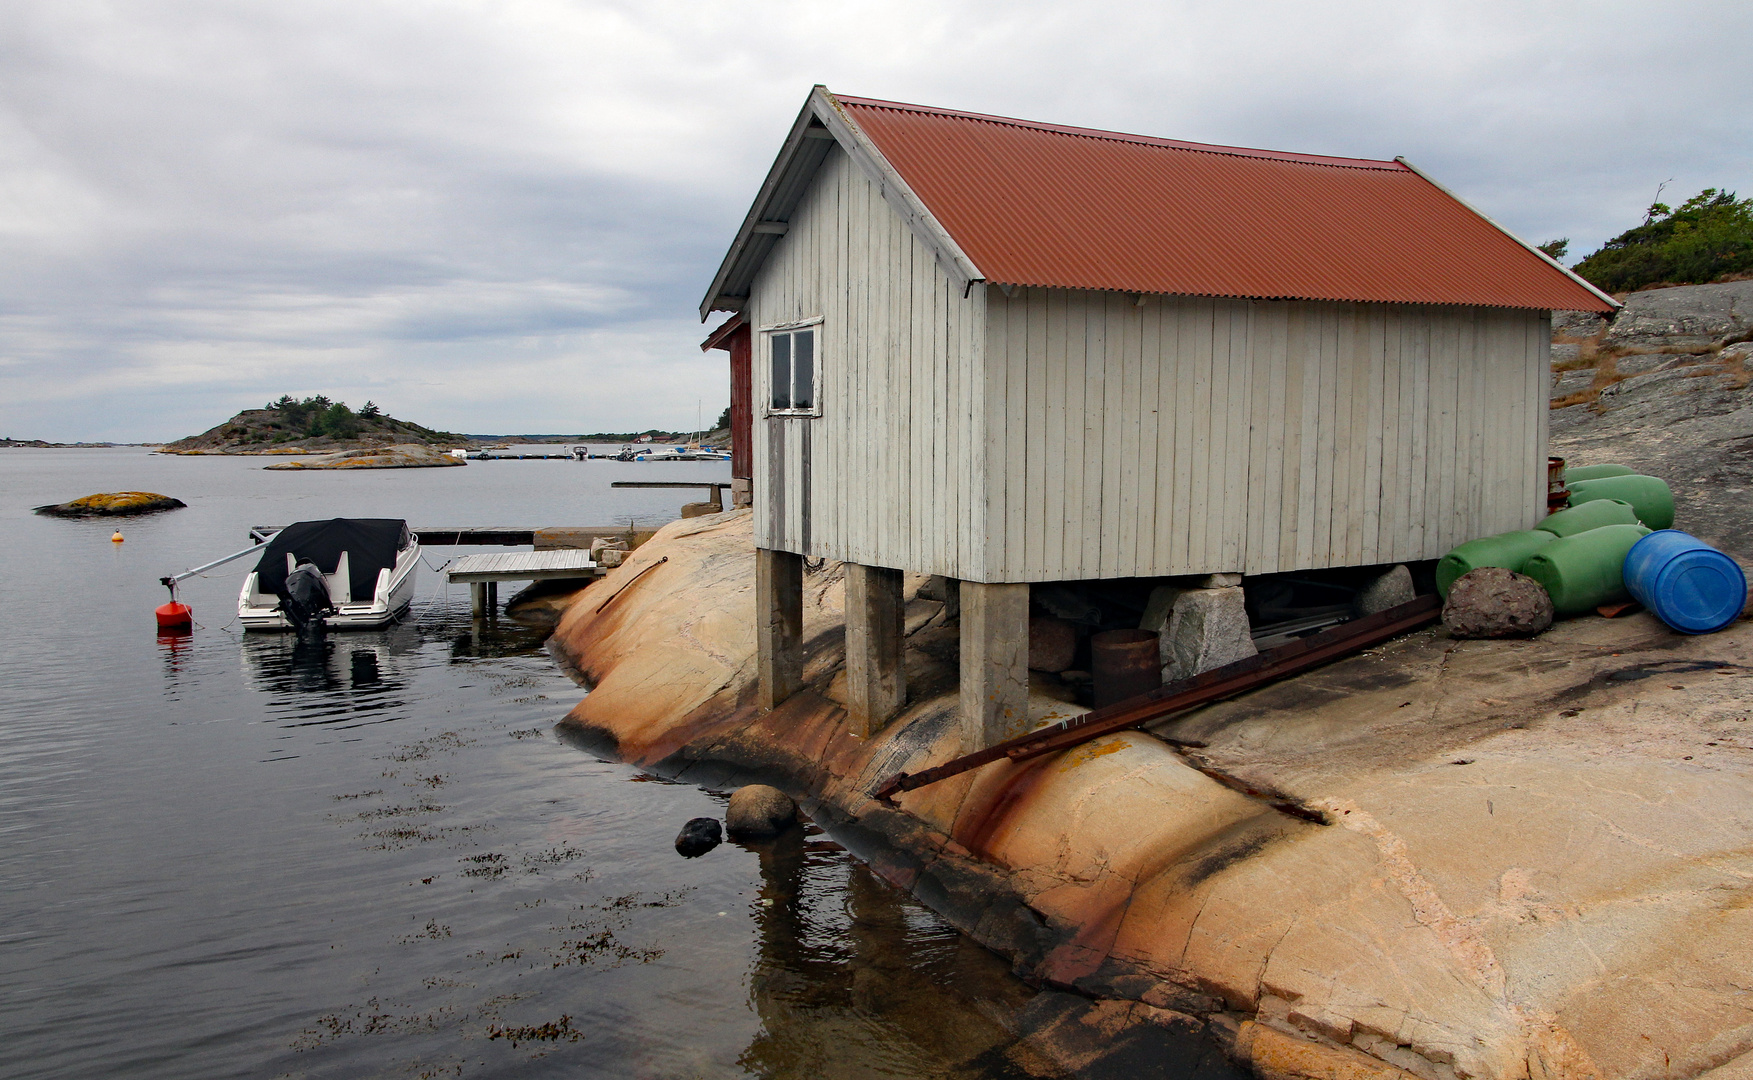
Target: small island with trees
<point>317,425</point>
<point>311,425</point>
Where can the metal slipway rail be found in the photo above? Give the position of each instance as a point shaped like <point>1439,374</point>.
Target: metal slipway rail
<point>1214,685</point>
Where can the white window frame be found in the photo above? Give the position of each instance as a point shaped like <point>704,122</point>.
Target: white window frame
<point>768,333</point>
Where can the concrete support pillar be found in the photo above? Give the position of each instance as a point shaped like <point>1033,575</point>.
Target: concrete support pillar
<point>778,625</point>
<point>876,632</point>
<point>478,599</point>
<point>995,663</point>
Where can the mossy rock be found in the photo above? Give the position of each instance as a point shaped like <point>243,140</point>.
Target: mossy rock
<point>113,504</point>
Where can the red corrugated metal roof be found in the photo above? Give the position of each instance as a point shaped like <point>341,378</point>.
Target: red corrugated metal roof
<point>1039,204</point>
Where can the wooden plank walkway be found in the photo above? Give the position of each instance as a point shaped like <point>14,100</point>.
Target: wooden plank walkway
<point>524,566</point>
<point>483,573</point>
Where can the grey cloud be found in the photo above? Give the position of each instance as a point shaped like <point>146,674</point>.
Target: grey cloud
<point>499,217</point>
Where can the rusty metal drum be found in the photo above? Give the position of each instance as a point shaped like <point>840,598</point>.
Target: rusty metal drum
<point>1124,664</point>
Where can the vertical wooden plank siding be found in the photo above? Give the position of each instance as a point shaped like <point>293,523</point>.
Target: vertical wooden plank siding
<point>889,474</point>
<point>1053,434</point>
<point>1190,435</point>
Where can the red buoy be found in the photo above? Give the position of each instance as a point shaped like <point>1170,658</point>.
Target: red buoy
<point>173,615</point>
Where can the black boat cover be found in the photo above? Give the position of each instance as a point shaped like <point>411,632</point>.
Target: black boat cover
<point>371,544</point>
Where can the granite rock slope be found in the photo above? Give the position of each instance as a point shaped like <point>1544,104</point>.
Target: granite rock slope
<point>1672,399</point>
<point>1524,859</point>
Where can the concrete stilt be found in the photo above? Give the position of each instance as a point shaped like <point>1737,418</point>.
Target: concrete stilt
<point>778,625</point>
<point>876,618</point>
<point>478,599</point>
<point>995,663</point>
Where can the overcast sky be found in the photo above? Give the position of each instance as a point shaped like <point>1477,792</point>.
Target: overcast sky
<point>499,216</point>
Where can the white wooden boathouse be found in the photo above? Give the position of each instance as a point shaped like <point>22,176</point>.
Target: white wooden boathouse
<point>1008,352</point>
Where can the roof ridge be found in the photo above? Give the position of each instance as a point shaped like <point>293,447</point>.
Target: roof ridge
<point>1127,137</point>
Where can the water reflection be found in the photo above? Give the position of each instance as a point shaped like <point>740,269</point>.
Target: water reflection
<point>854,979</point>
<point>174,649</point>
<point>496,638</point>
<point>333,679</point>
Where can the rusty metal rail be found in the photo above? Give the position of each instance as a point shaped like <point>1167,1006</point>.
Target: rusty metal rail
<point>1215,685</point>
<point>629,582</point>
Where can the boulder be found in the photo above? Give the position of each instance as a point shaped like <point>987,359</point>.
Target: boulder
<point>1388,590</point>
<point>1492,602</point>
<point>697,837</point>
<point>1208,629</point>
<point>701,509</point>
<point>758,810</point>
<point>113,504</point>
<point>600,544</point>
<point>1052,643</point>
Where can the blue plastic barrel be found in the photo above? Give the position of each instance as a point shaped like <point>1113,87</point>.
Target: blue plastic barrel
<point>1690,585</point>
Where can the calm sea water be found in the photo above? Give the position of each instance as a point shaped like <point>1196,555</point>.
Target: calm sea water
<point>230,856</point>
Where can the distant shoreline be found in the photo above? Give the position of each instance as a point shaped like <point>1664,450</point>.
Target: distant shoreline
<point>660,438</point>
<point>41,444</point>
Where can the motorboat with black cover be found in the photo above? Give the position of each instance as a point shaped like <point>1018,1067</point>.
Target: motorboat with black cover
<point>344,573</point>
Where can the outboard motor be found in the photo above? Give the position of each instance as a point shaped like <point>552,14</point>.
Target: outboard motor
<point>306,599</point>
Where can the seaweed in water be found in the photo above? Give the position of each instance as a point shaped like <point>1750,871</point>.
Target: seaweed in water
<point>446,742</point>
<point>407,837</point>
<point>432,930</point>
<point>370,1019</point>
<point>596,943</point>
<point>490,865</point>
<point>552,857</point>
<point>552,1031</point>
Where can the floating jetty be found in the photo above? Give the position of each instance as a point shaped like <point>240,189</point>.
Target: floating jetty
<point>483,573</point>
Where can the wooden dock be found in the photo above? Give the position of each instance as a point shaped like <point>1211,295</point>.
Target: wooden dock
<point>483,573</point>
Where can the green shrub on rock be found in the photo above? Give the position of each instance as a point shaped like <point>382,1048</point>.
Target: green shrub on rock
<point>1708,237</point>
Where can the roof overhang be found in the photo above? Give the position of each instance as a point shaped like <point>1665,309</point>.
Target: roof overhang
<point>1560,267</point>
<point>720,337</point>
<point>820,126</point>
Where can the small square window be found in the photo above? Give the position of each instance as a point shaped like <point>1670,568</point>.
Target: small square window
<point>794,371</point>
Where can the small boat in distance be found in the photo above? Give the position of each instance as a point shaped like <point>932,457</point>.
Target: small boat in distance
<point>691,452</point>
<point>344,573</point>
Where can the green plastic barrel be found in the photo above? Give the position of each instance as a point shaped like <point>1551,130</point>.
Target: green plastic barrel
<point>1584,571</point>
<point>1590,515</point>
<point>1596,472</point>
<point>1508,550</point>
<point>1647,495</point>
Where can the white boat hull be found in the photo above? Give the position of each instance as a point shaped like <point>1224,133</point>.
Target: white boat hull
<point>395,592</point>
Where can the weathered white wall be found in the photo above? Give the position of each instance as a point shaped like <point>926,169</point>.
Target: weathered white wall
<point>890,474</point>
<point>1058,434</point>
<point>1196,435</point>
